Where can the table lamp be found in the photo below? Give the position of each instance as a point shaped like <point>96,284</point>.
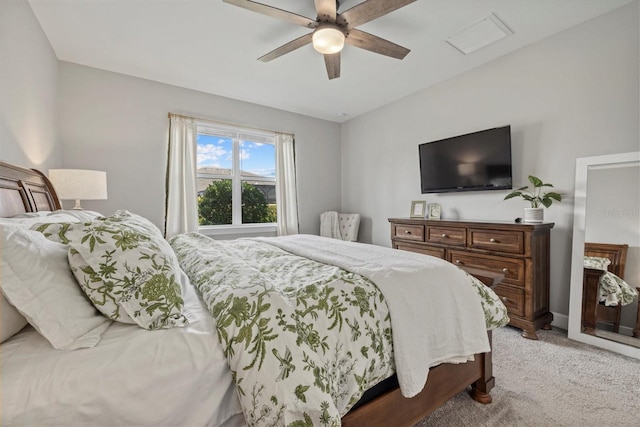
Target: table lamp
<point>79,184</point>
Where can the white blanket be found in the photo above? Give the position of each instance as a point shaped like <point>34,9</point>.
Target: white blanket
<point>437,317</point>
<point>133,377</point>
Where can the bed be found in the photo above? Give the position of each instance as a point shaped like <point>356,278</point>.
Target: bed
<point>131,376</point>
<point>604,288</point>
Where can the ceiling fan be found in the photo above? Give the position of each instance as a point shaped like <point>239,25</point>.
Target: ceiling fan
<point>331,30</point>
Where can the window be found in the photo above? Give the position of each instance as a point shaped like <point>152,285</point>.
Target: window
<point>236,176</point>
<point>221,179</point>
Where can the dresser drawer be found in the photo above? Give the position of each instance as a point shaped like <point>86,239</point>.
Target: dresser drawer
<point>513,269</point>
<point>408,232</point>
<point>512,298</point>
<point>497,241</point>
<point>447,235</point>
<point>426,250</point>
<point>514,258</point>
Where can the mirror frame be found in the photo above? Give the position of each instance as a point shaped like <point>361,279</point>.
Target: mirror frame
<point>579,221</point>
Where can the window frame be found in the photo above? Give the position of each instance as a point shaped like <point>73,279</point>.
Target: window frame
<point>238,135</point>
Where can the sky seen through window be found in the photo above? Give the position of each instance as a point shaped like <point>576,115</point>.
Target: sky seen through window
<point>217,152</point>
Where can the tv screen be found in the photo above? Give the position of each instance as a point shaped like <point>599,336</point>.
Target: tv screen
<point>476,161</point>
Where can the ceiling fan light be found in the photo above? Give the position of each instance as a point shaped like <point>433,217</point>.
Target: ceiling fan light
<point>328,40</point>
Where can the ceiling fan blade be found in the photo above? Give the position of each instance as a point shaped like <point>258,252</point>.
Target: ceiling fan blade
<point>369,10</point>
<point>376,44</point>
<point>332,61</point>
<point>286,48</point>
<point>326,10</point>
<point>274,12</point>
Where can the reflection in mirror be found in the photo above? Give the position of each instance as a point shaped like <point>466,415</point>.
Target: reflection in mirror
<point>612,235</point>
<point>605,270</point>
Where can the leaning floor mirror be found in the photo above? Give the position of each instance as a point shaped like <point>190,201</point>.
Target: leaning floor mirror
<point>606,239</point>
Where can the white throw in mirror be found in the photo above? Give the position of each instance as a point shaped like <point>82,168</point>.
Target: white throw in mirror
<point>611,219</point>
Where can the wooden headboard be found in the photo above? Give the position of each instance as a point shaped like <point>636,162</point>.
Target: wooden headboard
<point>25,190</point>
<point>616,253</point>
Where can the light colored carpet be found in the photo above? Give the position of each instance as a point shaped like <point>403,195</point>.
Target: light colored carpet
<point>550,382</point>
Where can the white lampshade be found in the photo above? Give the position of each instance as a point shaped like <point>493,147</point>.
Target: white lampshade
<point>328,39</point>
<point>79,184</point>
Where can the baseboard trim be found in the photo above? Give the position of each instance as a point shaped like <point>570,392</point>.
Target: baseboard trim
<point>560,321</point>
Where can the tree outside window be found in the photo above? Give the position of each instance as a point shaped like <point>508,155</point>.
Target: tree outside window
<point>236,176</point>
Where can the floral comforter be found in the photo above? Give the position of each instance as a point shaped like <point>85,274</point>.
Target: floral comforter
<point>303,339</point>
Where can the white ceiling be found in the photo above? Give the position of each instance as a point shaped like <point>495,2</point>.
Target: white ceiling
<point>211,46</point>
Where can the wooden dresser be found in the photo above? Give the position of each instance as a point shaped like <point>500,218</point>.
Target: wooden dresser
<point>519,251</point>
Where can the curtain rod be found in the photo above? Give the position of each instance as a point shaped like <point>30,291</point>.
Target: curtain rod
<point>226,123</point>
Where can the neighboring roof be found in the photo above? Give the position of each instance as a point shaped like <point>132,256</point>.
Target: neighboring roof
<point>203,183</point>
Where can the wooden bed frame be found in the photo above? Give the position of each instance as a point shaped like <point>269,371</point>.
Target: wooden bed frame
<point>28,190</point>
<point>25,190</point>
<point>592,310</point>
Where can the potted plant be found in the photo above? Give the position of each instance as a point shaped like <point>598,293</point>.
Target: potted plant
<point>536,197</point>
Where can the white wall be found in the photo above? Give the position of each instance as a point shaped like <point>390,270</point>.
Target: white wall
<point>572,95</point>
<point>119,124</point>
<point>28,90</point>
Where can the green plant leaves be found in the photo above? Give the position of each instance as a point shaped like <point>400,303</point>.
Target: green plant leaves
<point>534,196</point>
<point>537,182</point>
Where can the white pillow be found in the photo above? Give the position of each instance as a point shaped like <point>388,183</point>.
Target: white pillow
<point>11,321</point>
<point>36,279</point>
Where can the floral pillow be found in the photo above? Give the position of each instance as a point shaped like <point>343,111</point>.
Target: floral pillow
<point>126,268</point>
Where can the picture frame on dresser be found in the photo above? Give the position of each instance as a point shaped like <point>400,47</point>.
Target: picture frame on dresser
<point>434,211</point>
<point>418,209</point>
<point>518,251</point>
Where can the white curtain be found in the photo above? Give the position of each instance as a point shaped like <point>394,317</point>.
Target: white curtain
<point>286,193</point>
<point>181,206</point>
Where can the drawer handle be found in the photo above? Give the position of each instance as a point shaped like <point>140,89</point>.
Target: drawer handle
<point>459,262</point>
<point>505,299</point>
<point>407,232</point>
<point>444,235</point>
<point>492,240</point>
<point>505,270</point>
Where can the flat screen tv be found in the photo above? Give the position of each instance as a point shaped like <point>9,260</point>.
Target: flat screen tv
<point>476,161</point>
